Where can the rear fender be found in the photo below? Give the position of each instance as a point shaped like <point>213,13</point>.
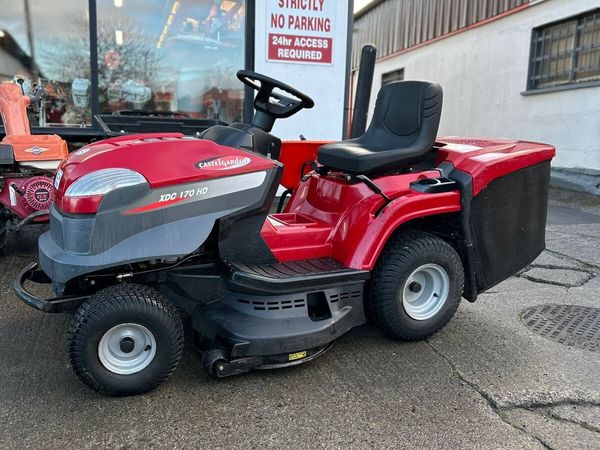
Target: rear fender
<point>362,233</point>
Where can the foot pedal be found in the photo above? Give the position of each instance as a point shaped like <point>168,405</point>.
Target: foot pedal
<point>292,276</point>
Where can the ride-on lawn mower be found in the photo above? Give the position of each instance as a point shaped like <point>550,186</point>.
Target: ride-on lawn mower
<point>27,163</point>
<point>150,231</point>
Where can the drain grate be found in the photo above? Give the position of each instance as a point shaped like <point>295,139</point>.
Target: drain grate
<point>575,326</point>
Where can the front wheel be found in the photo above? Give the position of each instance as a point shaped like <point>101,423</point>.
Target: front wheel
<point>125,340</point>
<point>416,286</point>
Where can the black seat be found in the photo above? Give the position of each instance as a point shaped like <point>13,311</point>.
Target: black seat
<point>403,130</point>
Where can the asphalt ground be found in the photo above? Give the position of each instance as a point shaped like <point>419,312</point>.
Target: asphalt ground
<point>485,381</point>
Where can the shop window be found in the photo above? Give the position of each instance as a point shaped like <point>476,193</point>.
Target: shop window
<point>396,75</point>
<point>46,43</point>
<point>566,52</point>
<point>171,57</point>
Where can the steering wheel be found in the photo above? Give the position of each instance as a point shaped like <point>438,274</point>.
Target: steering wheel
<point>270,100</point>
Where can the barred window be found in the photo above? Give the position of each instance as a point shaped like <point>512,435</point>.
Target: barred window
<point>390,77</point>
<point>565,53</point>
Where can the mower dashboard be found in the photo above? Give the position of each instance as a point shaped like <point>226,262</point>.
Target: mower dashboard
<point>274,100</point>
<point>244,136</point>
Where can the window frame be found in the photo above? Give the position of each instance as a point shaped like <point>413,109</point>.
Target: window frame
<point>532,88</point>
<point>95,130</point>
<point>393,72</point>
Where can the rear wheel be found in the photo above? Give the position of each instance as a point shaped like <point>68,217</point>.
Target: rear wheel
<point>416,286</point>
<point>125,340</point>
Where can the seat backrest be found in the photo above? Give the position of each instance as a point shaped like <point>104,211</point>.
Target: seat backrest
<point>406,117</point>
<point>13,107</point>
<point>402,132</point>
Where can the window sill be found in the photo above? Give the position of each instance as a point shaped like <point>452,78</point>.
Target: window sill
<point>563,87</point>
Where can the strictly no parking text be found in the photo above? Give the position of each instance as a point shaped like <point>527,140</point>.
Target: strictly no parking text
<point>304,5</point>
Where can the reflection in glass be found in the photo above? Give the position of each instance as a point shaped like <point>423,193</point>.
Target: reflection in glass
<point>47,43</point>
<point>171,57</point>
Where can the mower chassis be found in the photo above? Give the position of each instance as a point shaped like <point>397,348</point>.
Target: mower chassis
<point>255,316</point>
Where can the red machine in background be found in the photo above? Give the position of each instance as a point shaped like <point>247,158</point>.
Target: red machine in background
<point>27,163</point>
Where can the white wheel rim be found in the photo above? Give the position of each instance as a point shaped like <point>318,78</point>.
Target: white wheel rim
<point>425,291</point>
<point>127,348</point>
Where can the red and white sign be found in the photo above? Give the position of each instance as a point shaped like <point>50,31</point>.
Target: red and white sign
<point>300,31</point>
<point>304,43</point>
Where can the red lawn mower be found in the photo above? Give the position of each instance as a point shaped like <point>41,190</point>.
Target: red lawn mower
<point>151,231</point>
<point>27,163</point>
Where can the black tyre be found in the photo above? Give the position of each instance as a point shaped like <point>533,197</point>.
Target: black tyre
<point>125,340</point>
<point>416,286</point>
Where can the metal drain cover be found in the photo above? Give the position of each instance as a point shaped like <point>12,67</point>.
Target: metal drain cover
<point>575,326</point>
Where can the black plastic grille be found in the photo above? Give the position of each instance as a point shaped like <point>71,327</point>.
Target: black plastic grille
<point>274,305</point>
<point>344,296</point>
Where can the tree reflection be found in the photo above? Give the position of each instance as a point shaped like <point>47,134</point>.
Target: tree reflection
<point>134,60</point>
<point>190,69</point>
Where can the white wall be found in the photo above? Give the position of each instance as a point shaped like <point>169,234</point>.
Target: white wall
<point>483,72</point>
<point>325,83</point>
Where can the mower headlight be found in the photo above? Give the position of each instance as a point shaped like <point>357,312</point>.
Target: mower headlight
<point>102,181</point>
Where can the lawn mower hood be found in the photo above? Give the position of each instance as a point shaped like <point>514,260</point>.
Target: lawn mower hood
<point>115,204</point>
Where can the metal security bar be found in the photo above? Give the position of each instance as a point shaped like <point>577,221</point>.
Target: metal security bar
<point>565,53</point>
<point>396,25</point>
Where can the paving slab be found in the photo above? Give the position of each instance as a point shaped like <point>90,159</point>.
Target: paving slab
<point>587,416</point>
<point>557,275</point>
<point>485,381</point>
<point>578,241</point>
<point>547,259</point>
<point>488,343</point>
<point>550,432</point>
<point>367,392</point>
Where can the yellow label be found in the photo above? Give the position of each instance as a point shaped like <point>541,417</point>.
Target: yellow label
<point>297,355</point>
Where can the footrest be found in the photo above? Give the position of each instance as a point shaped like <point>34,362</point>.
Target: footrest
<point>292,276</point>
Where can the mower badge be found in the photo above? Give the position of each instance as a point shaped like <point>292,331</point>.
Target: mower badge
<point>36,150</point>
<point>81,151</point>
<point>223,163</point>
<point>42,195</point>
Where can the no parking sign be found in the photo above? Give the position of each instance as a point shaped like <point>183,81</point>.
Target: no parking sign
<point>305,43</point>
<point>300,31</point>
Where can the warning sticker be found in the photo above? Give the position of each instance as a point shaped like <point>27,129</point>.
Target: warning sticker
<point>296,356</point>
